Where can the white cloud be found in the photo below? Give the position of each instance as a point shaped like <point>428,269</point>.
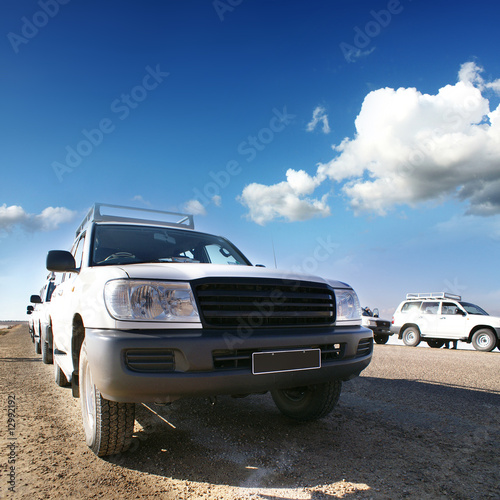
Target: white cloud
<point>470,226</point>
<point>319,115</point>
<point>140,199</point>
<point>194,207</point>
<point>284,200</point>
<point>51,218</point>
<point>470,72</point>
<point>409,148</point>
<point>48,220</point>
<point>352,53</point>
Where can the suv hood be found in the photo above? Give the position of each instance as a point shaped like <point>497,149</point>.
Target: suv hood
<point>190,272</point>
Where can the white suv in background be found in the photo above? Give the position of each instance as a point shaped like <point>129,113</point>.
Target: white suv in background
<point>442,317</point>
<point>40,320</point>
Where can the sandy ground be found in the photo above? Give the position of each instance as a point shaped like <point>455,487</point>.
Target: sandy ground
<point>419,423</point>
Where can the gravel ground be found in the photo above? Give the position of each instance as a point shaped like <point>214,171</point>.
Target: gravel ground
<point>419,423</point>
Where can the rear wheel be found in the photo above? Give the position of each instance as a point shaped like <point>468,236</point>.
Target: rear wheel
<point>309,402</point>
<point>381,339</point>
<point>411,336</point>
<point>108,425</point>
<point>435,343</point>
<point>484,340</point>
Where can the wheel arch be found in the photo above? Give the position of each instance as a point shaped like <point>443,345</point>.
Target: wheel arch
<point>77,338</point>
<point>405,326</point>
<point>482,327</point>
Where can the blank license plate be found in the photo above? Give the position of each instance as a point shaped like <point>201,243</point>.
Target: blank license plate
<point>285,361</point>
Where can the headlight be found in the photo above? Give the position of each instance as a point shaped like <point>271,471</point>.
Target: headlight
<point>131,300</point>
<point>348,307</point>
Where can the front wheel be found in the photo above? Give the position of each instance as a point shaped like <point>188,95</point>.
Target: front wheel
<point>484,340</point>
<point>381,339</point>
<point>108,425</point>
<point>411,336</point>
<point>309,402</point>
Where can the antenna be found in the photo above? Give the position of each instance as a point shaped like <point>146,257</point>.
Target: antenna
<point>274,254</point>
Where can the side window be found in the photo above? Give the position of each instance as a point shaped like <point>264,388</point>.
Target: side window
<point>430,307</point>
<point>219,255</point>
<point>50,290</point>
<point>411,307</point>
<point>449,308</point>
<point>78,252</point>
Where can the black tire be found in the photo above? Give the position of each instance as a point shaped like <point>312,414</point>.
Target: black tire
<point>484,340</point>
<point>436,344</point>
<point>308,403</point>
<point>47,357</point>
<point>381,339</point>
<point>411,336</point>
<point>108,425</point>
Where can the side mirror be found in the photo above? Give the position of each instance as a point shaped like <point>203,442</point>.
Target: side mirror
<point>30,309</point>
<point>60,261</point>
<point>35,299</point>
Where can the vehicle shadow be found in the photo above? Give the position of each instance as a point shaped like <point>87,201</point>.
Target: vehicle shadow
<point>23,360</point>
<point>248,443</point>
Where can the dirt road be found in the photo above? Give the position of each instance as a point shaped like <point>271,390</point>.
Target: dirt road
<point>419,423</point>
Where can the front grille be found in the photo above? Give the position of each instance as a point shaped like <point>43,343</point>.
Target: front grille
<point>265,303</point>
<point>150,360</point>
<point>365,347</point>
<point>242,358</point>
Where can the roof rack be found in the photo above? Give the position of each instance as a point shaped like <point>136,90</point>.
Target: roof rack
<point>433,295</point>
<point>102,212</point>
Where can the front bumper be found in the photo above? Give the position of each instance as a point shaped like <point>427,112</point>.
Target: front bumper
<point>165,365</point>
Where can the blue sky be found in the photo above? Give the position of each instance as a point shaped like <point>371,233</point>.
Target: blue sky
<point>359,139</point>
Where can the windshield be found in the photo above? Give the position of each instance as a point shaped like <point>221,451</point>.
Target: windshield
<point>367,312</point>
<point>128,244</point>
<point>473,309</point>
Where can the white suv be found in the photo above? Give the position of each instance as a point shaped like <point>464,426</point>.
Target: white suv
<point>442,317</point>
<point>150,310</point>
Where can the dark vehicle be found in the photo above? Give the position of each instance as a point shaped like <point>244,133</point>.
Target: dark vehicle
<point>381,327</point>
